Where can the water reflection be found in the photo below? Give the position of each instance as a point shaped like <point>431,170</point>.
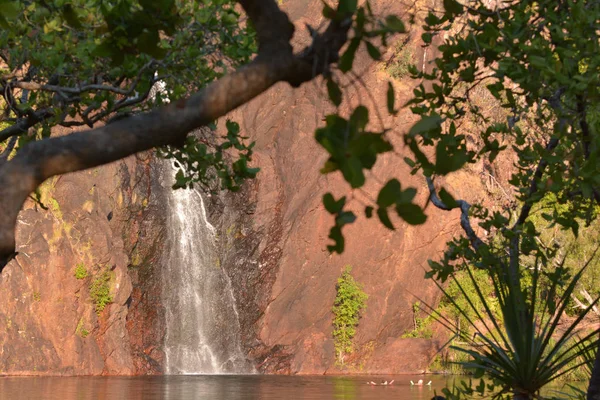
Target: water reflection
<point>344,388</point>
<point>219,387</point>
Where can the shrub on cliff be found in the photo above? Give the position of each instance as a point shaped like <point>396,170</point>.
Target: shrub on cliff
<point>100,290</point>
<point>350,301</point>
<point>80,271</point>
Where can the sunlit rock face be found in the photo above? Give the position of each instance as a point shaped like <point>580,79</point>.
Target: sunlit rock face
<point>294,328</point>
<point>99,222</point>
<point>268,270</point>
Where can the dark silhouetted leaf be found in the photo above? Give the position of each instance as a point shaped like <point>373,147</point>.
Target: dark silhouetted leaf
<point>411,213</point>
<point>389,194</point>
<point>448,199</point>
<point>385,218</point>
<point>347,58</point>
<point>373,51</point>
<point>391,99</point>
<point>331,205</point>
<point>426,124</point>
<point>394,24</point>
<point>335,94</point>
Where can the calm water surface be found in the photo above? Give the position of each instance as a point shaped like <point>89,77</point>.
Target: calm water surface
<point>217,387</point>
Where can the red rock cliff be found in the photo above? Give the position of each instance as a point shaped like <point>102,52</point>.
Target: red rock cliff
<point>273,238</point>
<point>293,325</point>
<point>100,221</point>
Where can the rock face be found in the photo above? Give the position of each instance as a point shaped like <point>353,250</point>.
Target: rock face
<point>288,280</point>
<point>110,222</point>
<point>51,320</point>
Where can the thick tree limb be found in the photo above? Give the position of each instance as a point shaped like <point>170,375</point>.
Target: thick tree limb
<point>169,124</point>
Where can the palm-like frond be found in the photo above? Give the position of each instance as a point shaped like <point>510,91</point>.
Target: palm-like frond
<point>526,347</point>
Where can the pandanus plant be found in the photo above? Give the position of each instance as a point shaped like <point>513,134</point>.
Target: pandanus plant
<point>530,343</point>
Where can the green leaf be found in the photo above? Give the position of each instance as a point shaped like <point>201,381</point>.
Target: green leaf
<point>452,7</point>
<point>389,194</point>
<point>448,159</point>
<point>575,228</point>
<point>373,51</point>
<point>411,213</point>
<point>427,37</point>
<point>360,117</point>
<point>391,98</point>
<point>70,15</point>
<point>385,218</point>
<point>344,218</point>
<point>409,162</point>
<point>347,59</point>
<point>232,127</point>
<point>426,124</point>
<point>328,12</point>
<point>353,173</point>
<point>9,9</point>
<point>447,198</point>
<point>335,234</point>
<point>407,196</point>
<point>395,24</point>
<point>335,94</point>
<point>347,6</point>
<point>369,211</point>
<point>330,166</point>
<point>331,205</point>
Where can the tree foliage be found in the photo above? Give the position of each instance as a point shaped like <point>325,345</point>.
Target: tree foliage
<point>78,63</point>
<point>539,62</point>
<point>350,301</point>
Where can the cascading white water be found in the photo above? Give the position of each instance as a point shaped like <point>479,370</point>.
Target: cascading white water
<point>202,331</point>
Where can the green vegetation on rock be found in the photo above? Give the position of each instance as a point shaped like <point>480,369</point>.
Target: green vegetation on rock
<point>81,271</point>
<point>100,290</point>
<point>398,67</point>
<point>81,330</point>
<point>421,326</point>
<point>350,301</point>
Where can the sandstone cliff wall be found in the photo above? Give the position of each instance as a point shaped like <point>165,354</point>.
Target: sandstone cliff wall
<point>272,240</point>
<point>290,227</point>
<point>100,221</point>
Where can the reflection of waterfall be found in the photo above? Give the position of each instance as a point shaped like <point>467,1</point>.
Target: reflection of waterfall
<point>203,332</point>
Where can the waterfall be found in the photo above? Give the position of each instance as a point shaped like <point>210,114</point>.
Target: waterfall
<point>202,324</point>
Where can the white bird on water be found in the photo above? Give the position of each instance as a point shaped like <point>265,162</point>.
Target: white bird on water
<point>420,383</point>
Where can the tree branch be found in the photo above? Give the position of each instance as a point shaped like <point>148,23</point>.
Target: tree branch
<point>533,186</point>
<point>69,90</point>
<point>74,91</point>
<point>169,124</point>
<point>465,222</point>
<point>24,124</point>
<point>9,148</point>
